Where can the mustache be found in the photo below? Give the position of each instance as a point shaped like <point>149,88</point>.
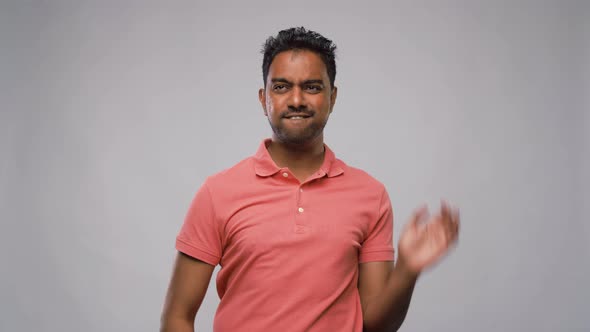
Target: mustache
<point>298,111</point>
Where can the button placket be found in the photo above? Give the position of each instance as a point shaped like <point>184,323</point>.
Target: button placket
<point>301,213</point>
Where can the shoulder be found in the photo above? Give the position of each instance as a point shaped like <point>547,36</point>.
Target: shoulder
<point>362,185</point>
<point>232,176</point>
<point>361,177</point>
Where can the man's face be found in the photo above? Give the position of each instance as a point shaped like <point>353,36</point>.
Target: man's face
<point>298,98</point>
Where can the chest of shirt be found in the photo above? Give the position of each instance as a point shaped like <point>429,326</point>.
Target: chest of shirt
<point>280,216</point>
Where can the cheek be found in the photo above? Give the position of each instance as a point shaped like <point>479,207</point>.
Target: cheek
<point>323,105</point>
<point>274,105</point>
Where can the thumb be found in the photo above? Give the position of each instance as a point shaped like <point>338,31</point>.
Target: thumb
<point>420,216</point>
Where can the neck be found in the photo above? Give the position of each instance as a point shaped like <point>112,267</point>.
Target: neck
<point>298,157</point>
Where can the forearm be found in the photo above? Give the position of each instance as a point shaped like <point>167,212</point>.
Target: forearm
<point>169,324</point>
<point>387,311</point>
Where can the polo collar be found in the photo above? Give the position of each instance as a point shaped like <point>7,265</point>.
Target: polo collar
<point>265,166</point>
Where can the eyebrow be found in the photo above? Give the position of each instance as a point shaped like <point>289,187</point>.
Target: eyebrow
<point>284,80</point>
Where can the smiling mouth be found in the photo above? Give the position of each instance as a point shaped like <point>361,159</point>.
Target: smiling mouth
<point>297,116</point>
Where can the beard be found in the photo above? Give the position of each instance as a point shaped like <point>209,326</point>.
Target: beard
<point>297,136</point>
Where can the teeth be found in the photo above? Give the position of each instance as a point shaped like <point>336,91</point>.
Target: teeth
<point>297,117</point>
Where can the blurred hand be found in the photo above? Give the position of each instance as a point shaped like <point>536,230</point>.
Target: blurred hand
<point>425,239</point>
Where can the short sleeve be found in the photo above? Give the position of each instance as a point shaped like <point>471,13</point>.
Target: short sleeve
<point>378,245</point>
<point>200,235</point>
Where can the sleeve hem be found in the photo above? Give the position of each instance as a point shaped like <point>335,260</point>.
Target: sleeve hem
<point>197,253</point>
<point>377,255</point>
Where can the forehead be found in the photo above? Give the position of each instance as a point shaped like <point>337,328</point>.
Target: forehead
<point>298,65</point>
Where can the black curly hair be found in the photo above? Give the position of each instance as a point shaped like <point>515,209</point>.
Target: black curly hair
<point>299,38</point>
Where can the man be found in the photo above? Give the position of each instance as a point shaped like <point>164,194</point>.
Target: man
<point>304,241</point>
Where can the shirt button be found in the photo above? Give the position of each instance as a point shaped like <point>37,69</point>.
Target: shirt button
<point>301,190</point>
<point>285,174</point>
<point>300,210</point>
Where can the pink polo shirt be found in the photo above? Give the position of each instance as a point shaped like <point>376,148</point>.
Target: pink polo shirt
<point>289,252</point>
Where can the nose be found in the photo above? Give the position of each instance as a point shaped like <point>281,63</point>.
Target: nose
<point>297,98</point>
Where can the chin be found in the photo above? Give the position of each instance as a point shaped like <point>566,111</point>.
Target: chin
<point>299,139</point>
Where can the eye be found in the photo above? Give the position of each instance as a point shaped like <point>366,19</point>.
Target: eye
<point>279,87</point>
<point>314,88</point>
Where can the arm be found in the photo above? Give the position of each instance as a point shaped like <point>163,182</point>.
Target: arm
<point>188,285</point>
<point>385,293</point>
<point>385,290</point>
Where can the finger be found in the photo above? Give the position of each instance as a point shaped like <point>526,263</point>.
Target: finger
<point>416,221</point>
<point>437,232</point>
<point>456,221</point>
<point>445,209</point>
<point>452,224</point>
<point>447,220</point>
<point>420,215</point>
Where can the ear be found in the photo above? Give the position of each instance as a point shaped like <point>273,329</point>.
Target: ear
<point>262,98</point>
<point>333,98</point>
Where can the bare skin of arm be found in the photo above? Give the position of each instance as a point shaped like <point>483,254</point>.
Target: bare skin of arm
<point>188,285</point>
<point>385,290</point>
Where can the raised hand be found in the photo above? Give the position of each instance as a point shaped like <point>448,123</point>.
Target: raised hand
<point>425,239</point>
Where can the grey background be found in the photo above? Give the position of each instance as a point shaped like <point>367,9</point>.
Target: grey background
<point>113,113</point>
